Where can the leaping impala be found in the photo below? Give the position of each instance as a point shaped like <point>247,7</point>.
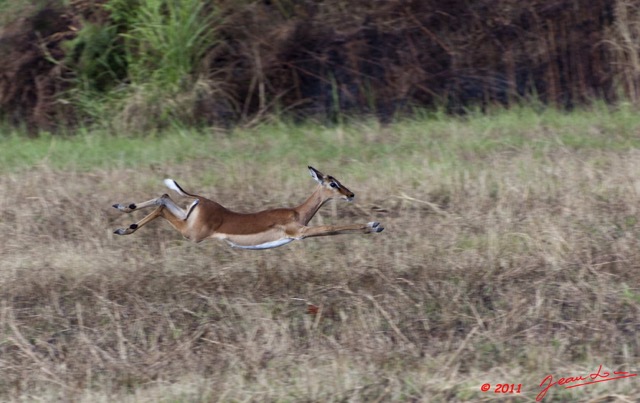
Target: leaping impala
<point>266,229</point>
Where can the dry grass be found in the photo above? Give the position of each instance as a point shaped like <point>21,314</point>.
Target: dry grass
<point>498,268</point>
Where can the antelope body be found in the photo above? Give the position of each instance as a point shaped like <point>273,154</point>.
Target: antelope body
<point>266,229</point>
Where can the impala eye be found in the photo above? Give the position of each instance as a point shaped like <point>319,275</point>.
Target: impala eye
<point>333,185</point>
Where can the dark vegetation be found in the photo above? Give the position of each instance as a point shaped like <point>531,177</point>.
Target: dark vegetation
<point>82,61</point>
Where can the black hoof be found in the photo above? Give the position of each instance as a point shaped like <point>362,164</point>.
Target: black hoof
<point>376,227</point>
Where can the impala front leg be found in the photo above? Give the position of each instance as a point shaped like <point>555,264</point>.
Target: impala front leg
<point>326,230</point>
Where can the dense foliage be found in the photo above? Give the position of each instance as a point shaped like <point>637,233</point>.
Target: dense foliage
<point>145,64</point>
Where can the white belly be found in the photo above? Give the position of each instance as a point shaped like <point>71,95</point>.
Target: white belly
<point>266,245</point>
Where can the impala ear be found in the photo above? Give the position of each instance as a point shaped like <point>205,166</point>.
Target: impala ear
<point>315,174</point>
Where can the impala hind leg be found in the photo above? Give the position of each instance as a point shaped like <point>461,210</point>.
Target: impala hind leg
<point>128,208</point>
<point>146,220</point>
<point>163,200</point>
<point>166,208</point>
<point>327,230</point>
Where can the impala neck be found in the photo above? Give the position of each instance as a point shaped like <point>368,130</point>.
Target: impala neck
<point>311,206</point>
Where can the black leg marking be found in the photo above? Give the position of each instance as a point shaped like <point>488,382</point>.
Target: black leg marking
<point>132,206</point>
<point>375,226</point>
<point>133,226</point>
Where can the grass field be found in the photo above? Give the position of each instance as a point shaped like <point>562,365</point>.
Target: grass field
<point>511,252</point>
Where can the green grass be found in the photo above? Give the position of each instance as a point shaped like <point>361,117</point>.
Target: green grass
<point>441,141</point>
<point>166,39</point>
<point>142,69</point>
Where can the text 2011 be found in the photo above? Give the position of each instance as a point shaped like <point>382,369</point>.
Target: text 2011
<point>507,388</point>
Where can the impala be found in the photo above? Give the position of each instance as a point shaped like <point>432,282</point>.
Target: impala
<point>266,229</point>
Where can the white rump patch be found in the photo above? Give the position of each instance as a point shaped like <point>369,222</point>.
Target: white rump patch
<point>266,245</point>
<point>191,207</point>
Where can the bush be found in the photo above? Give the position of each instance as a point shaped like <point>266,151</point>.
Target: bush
<point>213,62</point>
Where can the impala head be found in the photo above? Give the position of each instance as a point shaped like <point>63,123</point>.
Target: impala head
<point>331,185</point>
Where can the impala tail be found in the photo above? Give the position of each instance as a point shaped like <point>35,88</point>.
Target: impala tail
<point>173,185</point>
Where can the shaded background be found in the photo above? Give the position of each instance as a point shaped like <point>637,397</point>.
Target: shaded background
<point>322,59</point>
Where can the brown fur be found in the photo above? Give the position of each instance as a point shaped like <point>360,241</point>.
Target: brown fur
<point>261,230</point>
